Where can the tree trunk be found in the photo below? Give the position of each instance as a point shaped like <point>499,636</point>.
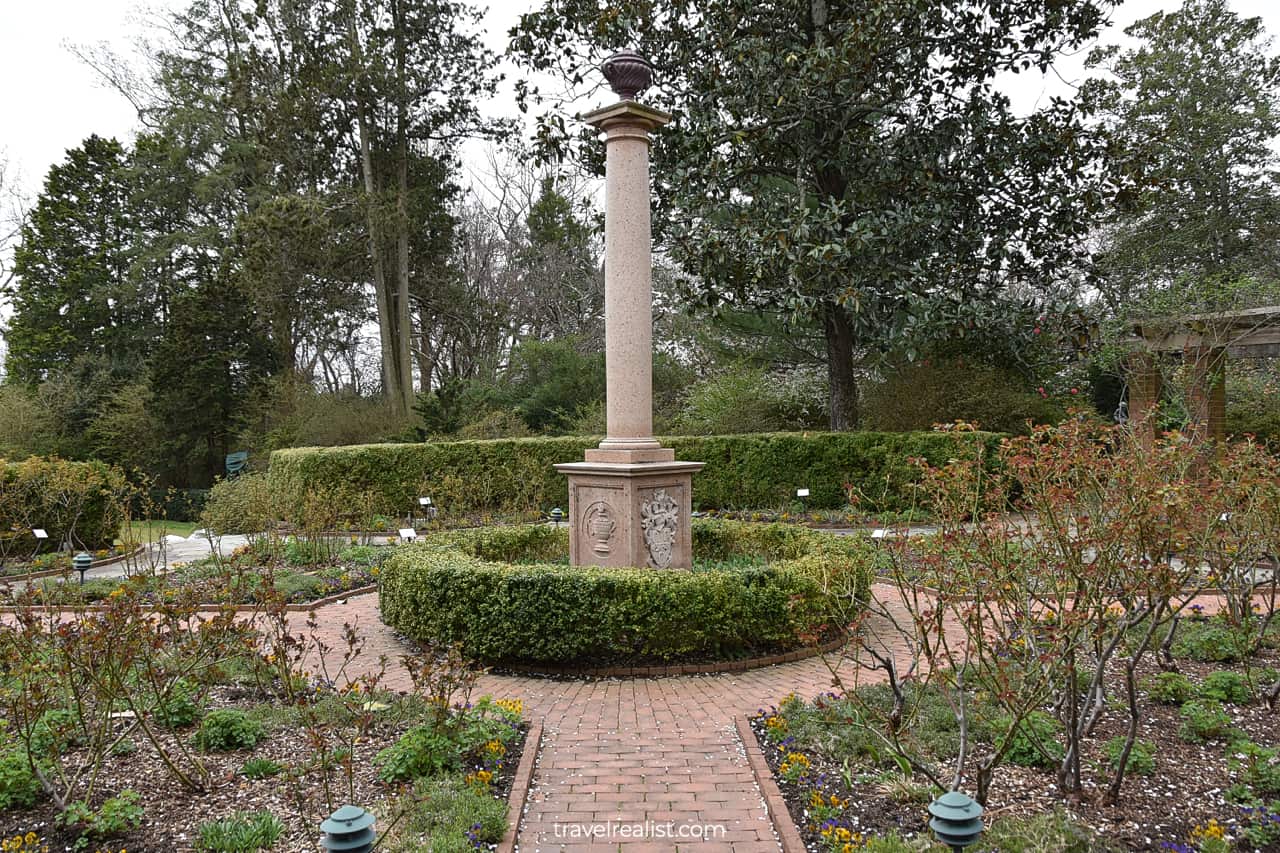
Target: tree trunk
<point>423,353</point>
<point>843,386</point>
<point>386,320</point>
<point>404,321</point>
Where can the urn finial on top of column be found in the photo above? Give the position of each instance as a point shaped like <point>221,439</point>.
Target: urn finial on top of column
<point>628,73</point>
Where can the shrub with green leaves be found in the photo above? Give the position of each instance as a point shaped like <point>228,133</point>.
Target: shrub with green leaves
<point>19,788</point>
<point>1225,686</point>
<point>116,816</point>
<point>1202,720</point>
<point>1142,756</point>
<point>744,399</point>
<point>228,729</point>
<point>1212,642</point>
<point>179,707</point>
<point>260,768</point>
<point>422,751</point>
<point>757,470</point>
<point>848,728</point>
<point>296,586</point>
<point>452,588</point>
<point>82,501</point>
<point>242,832</point>
<point>917,395</point>
<point>1169,688</point>
<point>245,505</point>
<point>1034,741</point>
<point>1257,767</point>
<point>55,731</point>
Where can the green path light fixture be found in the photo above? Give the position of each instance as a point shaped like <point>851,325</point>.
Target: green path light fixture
<point>81,563</point>
<point>556,516</point>
<point>349,830</point>
<point>957,820</point>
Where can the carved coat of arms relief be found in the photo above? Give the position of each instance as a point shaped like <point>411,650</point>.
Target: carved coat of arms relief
<point>660,521</point>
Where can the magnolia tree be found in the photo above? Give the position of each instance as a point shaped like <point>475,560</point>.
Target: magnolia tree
<point>853,167</point>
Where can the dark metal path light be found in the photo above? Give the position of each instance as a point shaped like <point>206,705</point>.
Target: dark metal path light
<point>349,829</point>
<point>81,563</point>
<point>957,820</point>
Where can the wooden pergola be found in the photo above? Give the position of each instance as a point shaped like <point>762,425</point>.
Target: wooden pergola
<point>1204,342</point>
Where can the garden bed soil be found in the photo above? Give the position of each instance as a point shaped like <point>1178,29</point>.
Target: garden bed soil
<point>358,580</point>
<point>1187,789</point>
<point>173,814</point>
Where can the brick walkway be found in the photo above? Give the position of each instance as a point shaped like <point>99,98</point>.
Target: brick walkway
<point>658,750</point>
<point>662,750</point>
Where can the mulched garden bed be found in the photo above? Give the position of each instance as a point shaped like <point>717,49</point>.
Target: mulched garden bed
<point>1156,812</point>
<point>173,814</point>
<point>60,562</point>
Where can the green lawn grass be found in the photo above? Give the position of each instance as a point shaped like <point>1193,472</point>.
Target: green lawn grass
<point>152,529</point>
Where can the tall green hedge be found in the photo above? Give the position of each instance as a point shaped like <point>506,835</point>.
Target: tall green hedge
<point>471,587</point>
<point>760,470</point>
<point>81,501</point>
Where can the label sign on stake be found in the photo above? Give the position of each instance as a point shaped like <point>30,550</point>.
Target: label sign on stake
<point>802,493</point>
<point>39,533</point>
<point>408,533</point>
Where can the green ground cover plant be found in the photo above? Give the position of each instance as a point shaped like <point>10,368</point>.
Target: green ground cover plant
<point>242,832</point>
<point>1169,688</point>
<point>228,729</point>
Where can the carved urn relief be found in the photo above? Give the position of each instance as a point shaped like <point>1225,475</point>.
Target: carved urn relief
<point>599,524</point>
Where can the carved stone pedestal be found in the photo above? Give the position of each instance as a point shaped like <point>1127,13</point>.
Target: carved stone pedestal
<point>624,514</point>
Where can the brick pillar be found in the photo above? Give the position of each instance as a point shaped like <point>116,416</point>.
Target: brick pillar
<point>1144,381</point>
<point>1206,393</point>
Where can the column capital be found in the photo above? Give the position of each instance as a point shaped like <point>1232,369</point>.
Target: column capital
<point>627,113</point>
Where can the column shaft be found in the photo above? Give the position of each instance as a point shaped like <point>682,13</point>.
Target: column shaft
<point>628,313</point>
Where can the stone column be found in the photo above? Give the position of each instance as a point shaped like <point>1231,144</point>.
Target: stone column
<point>1144,381</point>
<point>628,286</point>
<point>630,501</point>
<point>1206,393</point>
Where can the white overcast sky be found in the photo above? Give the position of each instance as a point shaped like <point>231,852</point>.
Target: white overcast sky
<point>50,101</point>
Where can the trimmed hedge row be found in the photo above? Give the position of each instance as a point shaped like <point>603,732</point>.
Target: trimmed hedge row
<point>83,501</point>
<point>760,470</point>
<point>468,587</point>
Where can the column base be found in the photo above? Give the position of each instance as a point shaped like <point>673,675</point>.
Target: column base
<point>630,513</point>
<point>630,456</point>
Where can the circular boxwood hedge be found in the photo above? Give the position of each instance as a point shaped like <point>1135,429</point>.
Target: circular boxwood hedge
<point>499,593</point>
